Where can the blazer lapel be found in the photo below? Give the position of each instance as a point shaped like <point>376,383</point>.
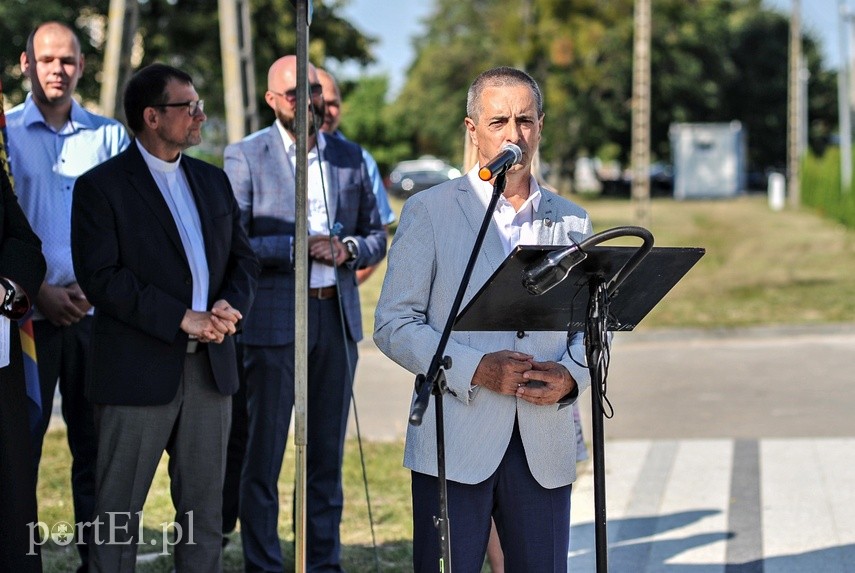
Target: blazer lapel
<point>333,176</point>
<point>544,220</point>
<point>142,181</point>
<point>281,177</point>
<point>473,209</point>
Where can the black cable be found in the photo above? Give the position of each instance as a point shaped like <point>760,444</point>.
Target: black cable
<point>350,368</point>
<point>597,339</point>
<point>570,332</point>
<point>597,329</point>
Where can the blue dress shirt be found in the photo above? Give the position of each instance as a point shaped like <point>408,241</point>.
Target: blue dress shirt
<point>387,216</point>
<point>46,162</point>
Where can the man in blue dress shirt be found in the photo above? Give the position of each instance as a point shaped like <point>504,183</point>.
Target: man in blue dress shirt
<point>53,140</point>
<point>332,120</point>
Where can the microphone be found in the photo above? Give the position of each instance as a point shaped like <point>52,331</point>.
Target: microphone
<point>552,269</point>
<point>509,154</point>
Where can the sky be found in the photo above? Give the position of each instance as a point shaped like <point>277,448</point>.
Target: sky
<point>821,18</point>
<point>395,22</point>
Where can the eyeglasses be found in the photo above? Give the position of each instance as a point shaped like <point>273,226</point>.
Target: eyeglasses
<point>194,108</point>
<point>291,95</point>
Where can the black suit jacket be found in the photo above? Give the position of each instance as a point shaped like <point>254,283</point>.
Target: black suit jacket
<point>129,260</point>
<point>21,261</point>
<point>21,257</point>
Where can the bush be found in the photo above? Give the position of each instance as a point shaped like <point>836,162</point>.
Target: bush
<point>820,187</point>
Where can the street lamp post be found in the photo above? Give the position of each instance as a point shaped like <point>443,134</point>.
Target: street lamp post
<point>793,105</point>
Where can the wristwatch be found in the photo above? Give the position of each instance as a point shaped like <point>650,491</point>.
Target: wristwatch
<point>9,297</point>
<point>352,248</point>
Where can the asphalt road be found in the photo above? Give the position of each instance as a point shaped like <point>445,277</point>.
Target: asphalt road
<point>680,384</point>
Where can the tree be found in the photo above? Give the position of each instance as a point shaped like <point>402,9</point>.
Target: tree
<point>19,17</point>
<point>712,60</point>
<point>430,108</point>
<point>365,119</point>
<point>183,33</point>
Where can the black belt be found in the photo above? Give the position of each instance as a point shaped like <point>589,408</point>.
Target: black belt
<point>323,292</point>
<point>194,346</point>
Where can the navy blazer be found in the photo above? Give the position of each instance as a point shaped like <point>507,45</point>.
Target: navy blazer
<point>130,262</point>
<point>263,181</point>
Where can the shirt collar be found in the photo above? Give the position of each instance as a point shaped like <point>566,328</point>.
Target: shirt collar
<point>79,118</point>
<point>158,164</point>
<point>484,189</point>
<point>291,143</point>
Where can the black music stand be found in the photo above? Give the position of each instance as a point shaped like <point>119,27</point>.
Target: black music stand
<point>588,299</point>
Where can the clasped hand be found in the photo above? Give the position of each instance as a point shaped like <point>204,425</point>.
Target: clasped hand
<point>214,325</point>
<point>62,305</point>
<point>328,250</point>
<point>519,374</point>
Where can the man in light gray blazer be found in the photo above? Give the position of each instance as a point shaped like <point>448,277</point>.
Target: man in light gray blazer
<point>345,233</point>
<point>510,442</point>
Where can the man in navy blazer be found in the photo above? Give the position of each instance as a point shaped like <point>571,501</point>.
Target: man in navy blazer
<point>345,233</point>
<point>159,249</point>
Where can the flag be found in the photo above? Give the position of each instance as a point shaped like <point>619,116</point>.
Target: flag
<point>28,341</point>
<point>31,374</point>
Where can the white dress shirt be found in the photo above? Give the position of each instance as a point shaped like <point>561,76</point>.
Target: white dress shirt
<point>173,185</point>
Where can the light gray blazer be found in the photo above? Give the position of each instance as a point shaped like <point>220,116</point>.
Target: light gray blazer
<point>432,244</point>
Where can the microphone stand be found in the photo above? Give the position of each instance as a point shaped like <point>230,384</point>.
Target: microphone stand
<point>434,382</point>
<point>596,350</point>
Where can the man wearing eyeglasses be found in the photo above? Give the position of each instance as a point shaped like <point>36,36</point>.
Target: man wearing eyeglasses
<point>345,233</point>
<point>52,140</point>
<point>159,249</point>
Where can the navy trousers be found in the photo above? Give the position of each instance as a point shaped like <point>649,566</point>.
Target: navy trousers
<point>533,522</point>
<point>270,397</point>
<point>62,354</point>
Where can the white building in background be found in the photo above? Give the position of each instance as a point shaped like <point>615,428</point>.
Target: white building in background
<point>709,159</point>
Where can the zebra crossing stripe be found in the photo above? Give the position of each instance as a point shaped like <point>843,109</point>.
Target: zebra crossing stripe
<point>722,506</point>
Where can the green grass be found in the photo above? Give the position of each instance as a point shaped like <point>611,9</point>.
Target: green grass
<point>761,267</point>
<point>389,488</point>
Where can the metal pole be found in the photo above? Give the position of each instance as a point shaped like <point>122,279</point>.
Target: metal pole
<point>843,109</point>
<point>112,53</point>
<point>849,58</point>
<point>238,71</point>
<point>232,88</point>
<point>641,113</point>
<point>793,105</point>
<point>121,27</point>
<point>301,294</point>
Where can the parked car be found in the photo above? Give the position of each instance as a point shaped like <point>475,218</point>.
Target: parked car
<point>661,182</point>
<point>410,177</point>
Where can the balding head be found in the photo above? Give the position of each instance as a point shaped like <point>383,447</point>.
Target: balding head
<point>282,75</point>
<point>54,65</point>
<point>51,28</point>
<point>281,93</point>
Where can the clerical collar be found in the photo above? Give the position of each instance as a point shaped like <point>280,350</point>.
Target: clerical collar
<point>158,164</point>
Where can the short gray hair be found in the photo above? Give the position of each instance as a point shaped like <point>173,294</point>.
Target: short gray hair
<point>496,77</point>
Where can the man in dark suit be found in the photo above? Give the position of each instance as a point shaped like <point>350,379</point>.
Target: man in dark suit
<point>345,233</point>
<point>159,249</point>
<point>22,269</point>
